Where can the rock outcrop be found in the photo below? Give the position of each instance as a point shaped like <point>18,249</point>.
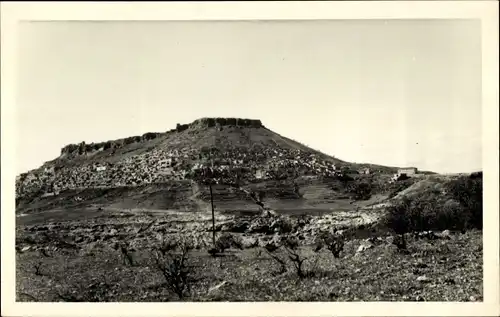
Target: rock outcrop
<point>83,148</point>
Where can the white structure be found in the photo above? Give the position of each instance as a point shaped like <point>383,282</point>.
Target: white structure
<point>100,168</point>
<point>365,171</point>
<point>408,171</point>
<point>259,174</point>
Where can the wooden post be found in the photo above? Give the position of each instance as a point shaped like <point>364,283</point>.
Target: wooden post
<point>213,214</point>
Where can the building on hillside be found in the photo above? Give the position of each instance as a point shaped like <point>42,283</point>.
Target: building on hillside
<point>404,173</point>
<point>408,171</point>
<point>259,174</point>
<point>169,161</point>
<point>365,170</point>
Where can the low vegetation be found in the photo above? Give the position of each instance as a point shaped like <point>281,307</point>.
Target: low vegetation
<point>460,209</point>
<point>423,250</point>
<point>433,269</point>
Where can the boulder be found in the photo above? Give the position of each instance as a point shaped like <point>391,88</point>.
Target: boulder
<point>446,234</point>
<point>364,246</point>
<point>423,279</point>
<point>249,242</point>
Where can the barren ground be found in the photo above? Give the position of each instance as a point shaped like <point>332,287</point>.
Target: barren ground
<point>88,268</point>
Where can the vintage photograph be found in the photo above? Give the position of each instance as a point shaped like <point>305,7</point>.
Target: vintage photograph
<point>249,161</point>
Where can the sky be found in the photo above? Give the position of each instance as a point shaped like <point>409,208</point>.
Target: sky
<point>395,92</point>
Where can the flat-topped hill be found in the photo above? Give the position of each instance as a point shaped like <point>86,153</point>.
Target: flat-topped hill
<point>228,149</point>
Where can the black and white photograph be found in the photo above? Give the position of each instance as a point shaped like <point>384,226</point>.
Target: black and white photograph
<point>253,160</point>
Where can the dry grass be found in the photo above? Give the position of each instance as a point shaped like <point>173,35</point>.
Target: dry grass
<point>96,272</point>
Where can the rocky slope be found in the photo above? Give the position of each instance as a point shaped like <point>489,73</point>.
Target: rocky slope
<point>223,150</point>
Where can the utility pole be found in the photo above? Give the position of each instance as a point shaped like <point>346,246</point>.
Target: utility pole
<point>213,214</point>
<point>212,198</point>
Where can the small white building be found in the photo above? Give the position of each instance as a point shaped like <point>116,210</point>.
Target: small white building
<point>259,174</point>
<point>365,171</point>
<point>100,168</point>
<point>408,171</point>
<point>169,161</point>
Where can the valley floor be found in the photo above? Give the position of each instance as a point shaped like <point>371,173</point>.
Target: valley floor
<point>77,260</point>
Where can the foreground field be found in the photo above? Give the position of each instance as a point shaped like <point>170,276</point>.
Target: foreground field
<point>81,260</point>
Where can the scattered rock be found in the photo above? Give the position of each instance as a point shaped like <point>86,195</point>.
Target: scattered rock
<point>26,248</point>
<point>216,287</point>
<point>430,235</point>
<point>423,279</point>
<point>249,242</point>
<point>446,234</point>
<point>363,247</point>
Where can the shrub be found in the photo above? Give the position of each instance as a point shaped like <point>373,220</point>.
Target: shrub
<point>463,211</point>
<point>468,191</point>
<point>282,225</point>
<point>396,187</point>
<point>171,261</point>
<point>334,243</point>
<point>126,252</point>
<point>360,191</point>
<point>291,244</point>
<point>226,241</point>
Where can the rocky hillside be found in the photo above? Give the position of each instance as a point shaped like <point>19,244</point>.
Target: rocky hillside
<point>223,150</point>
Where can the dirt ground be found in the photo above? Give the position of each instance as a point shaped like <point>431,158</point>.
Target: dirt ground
<point>72,256</point>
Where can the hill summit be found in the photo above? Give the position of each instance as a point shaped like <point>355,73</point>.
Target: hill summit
<point>225,150</point>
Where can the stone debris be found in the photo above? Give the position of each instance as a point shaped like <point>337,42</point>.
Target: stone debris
<point>423,279</point>
<point>364,246</point>
<point>26,248</point>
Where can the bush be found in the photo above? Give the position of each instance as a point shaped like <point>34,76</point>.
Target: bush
<point>334,243</point>
<point>226,241</point>
<point>360,191</point>
<point>171,260</point>
<point>396,187</point>
<point>282,225</point>
<point>291,246</point>
<point>468,191</point>
<point>463,211</point>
